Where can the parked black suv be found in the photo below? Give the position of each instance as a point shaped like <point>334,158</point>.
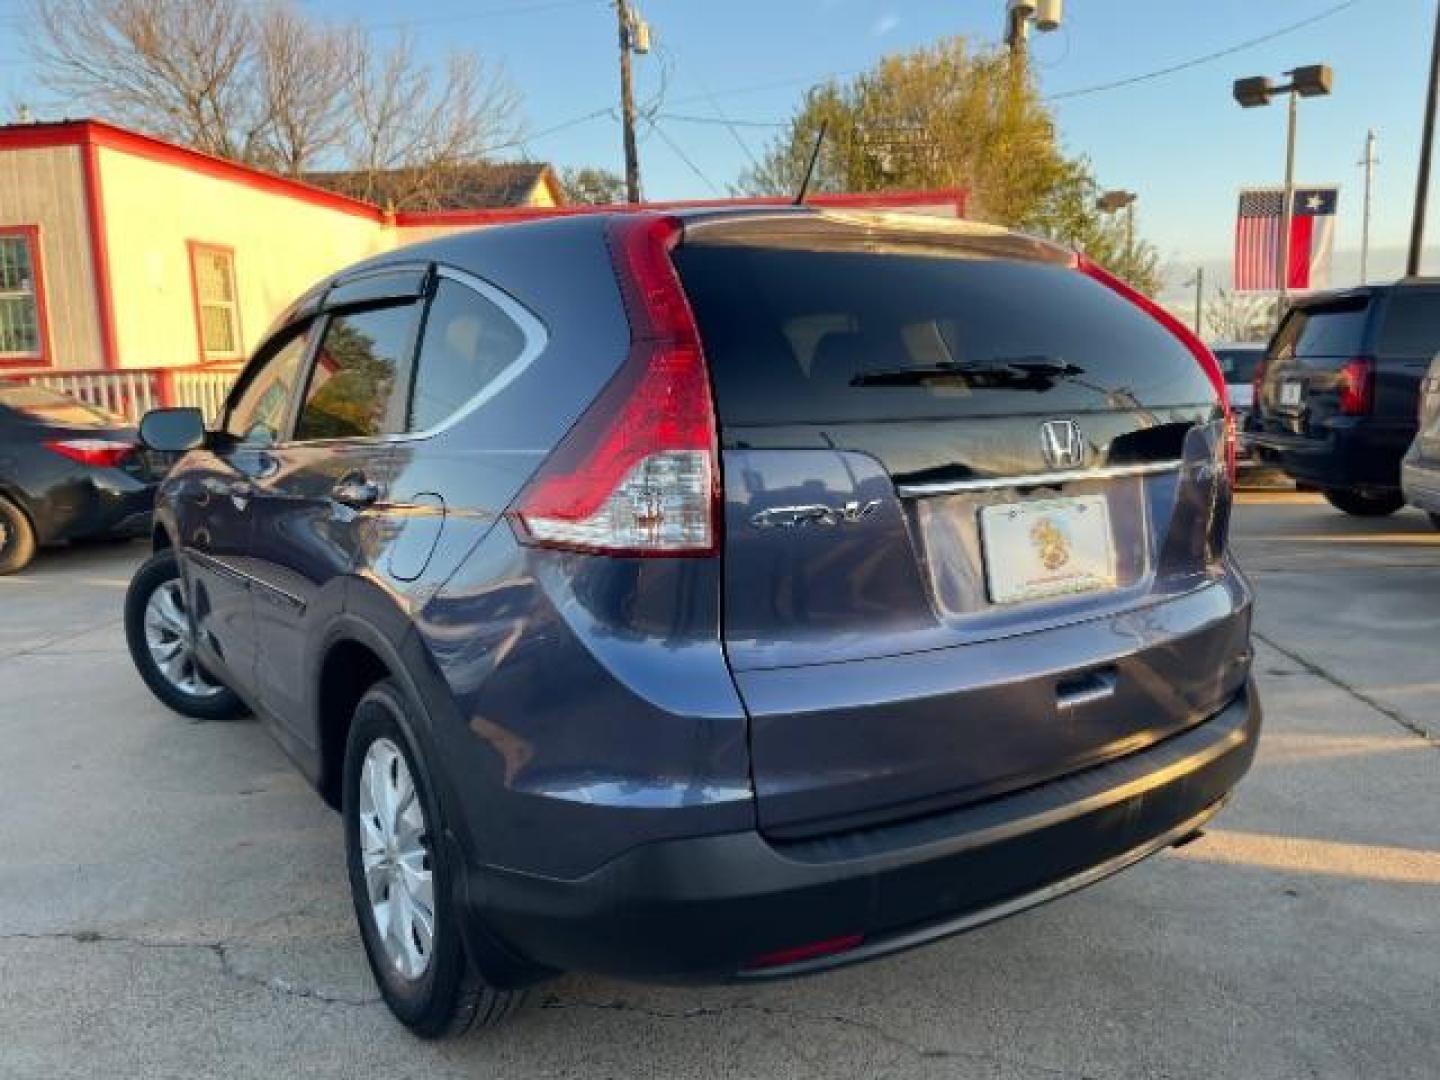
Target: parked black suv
<point>1337,394</point>
<point>725,596</point>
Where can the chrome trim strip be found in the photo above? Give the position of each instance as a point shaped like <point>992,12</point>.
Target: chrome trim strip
<point>999,483</point>
<point>225,569</point>
<point>899,942</point>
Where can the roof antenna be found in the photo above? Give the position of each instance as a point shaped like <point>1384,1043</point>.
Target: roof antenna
<point>810,168</point>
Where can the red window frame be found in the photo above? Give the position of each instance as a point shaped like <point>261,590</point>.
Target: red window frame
<point>45,357</point>
<point>201,247</point>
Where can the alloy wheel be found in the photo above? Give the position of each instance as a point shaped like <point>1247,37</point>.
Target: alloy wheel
<point>171,642</point>
<point>395,857</point>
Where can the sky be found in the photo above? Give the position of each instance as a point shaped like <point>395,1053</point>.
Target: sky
<point>1178,140</point>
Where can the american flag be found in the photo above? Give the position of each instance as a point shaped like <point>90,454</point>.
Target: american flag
<point>1257,238</point>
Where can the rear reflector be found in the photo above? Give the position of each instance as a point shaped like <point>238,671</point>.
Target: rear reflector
<point>1198,349</point>
<point>1357,386</point>
<point>101,453</point>
<point>639,474</point>
<point>800,953</point>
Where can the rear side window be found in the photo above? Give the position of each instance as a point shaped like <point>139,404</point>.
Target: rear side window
<point>1412,324</point>
<point>357,381</point>
<point>469,343</point>
<point>1324,330</point>
<point>831,336</point>
<point>259,414</point>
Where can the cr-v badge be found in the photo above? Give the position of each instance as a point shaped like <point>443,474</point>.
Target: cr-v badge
<point>788,517</point>
<point>1062,444</point>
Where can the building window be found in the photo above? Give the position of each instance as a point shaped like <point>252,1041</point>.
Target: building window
<point>217,309</point>
<point>20,300</point>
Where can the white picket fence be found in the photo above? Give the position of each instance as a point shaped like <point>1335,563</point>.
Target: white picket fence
<point>132,392</point>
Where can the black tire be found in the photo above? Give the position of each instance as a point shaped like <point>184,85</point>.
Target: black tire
<point>1435,520</point>
<point>159,570</point>
<point>17,538</point>
<point>449,996</point>
<point>1360,504</point>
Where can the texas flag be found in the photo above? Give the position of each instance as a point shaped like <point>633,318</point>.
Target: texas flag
<point>1257,238</point>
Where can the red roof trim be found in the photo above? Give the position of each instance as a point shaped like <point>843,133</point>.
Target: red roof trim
<point>99,133</point>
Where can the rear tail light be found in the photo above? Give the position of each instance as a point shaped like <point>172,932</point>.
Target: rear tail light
<point>639,474</point>
<point>102,453</point>
<point>1198,349</point>
<point>1357,386</point>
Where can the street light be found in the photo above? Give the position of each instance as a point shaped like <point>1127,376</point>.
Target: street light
<point>1045,15</point>
<point>1112,202</point>
<point>1312,80</point>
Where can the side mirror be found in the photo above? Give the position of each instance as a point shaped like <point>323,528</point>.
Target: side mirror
<point>173,430</point>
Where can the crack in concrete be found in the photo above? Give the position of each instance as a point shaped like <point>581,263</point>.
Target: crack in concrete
<point>929,1053</point>
<point>221,950</point>
<point>1392,714</point>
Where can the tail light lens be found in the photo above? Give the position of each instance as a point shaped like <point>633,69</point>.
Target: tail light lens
<point>1198,349</point>
<point>1357,386</point>
<point>101,453</point>
<point>639,474</point>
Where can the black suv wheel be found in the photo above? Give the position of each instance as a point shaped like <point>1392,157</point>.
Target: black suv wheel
<point>1361,504</point>
<point>401,878</point>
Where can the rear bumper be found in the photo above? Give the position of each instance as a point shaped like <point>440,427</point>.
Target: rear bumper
<point>1422,485</point>
<point>703,909</point>
<point>101,502</point>
<point>1358,454</point>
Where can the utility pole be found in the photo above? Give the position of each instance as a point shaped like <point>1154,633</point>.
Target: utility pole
<point>1427,141</point>
<point>627,21</point>
<point>1369,163</point>
<point>1199,298</point>
<point>1020,15</point>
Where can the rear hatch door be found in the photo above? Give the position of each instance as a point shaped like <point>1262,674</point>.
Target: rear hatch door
<point>959,475</point>
<point>1300,390</point>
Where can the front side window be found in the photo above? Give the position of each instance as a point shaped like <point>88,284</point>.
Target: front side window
<point>19,296</point>
<point>217,307</point>
<point>259,413</point>
<point>357,382</point>
<point>469,343</point>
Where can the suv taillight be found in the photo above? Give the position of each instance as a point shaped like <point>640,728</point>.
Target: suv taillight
<point>639,474</point>
<point>1198,349</point>
<point>1357,386</point>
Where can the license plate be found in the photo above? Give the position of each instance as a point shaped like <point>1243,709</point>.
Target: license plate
<point>1047,547</point>
<point>1291,392</point>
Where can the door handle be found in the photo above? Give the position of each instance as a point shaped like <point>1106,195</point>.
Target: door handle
<point>355,492</point>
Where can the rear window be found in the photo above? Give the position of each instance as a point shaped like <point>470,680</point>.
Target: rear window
<point>1239,364</point>
<point>47,407</point>
<point>1328,330</point>
<point>1412,324</point>
<point>817,336</point>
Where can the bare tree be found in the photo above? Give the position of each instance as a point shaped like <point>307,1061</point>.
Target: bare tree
<point>304,78</point>
<point>1232,316</point>
<point>179,68</point>
<point>267,85</point>
<point>414,127</point>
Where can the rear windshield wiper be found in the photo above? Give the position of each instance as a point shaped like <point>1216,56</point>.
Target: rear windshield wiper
<point>1021,372</point>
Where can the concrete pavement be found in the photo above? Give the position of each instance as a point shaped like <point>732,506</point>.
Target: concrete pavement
<point>173,903</point>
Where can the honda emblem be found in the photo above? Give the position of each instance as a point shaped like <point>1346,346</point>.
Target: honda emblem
<point>1063,444</point>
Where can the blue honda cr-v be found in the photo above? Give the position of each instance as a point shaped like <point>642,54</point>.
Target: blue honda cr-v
<point>719,596</point>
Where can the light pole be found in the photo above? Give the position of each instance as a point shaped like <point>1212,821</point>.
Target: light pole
<point>1427,141</point>
<point>1045,15</point>
<point>1199,282</point>
<point>1112,201</point>
<point>1368,162</point>
<point>1313,80</point>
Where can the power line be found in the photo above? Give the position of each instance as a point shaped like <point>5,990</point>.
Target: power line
<point>1205,59</point>
<point>684,157</point>
<point>488,13</point>
<point>726,121</point>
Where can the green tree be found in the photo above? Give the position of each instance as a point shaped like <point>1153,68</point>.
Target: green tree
<point>588,186</point>
<point>950,115</point>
